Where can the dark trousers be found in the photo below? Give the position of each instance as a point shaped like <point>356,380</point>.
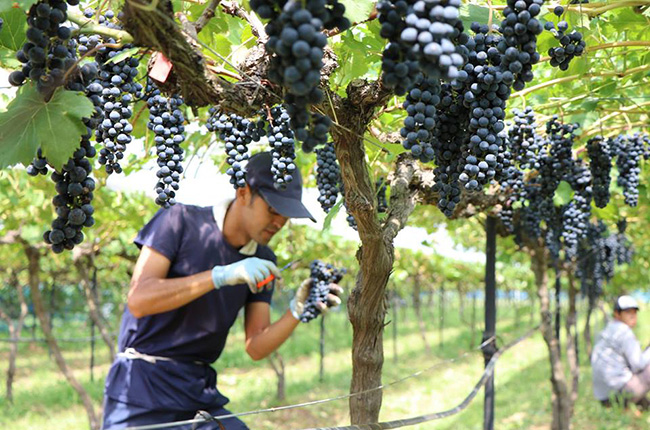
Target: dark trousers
<point>119,415</point>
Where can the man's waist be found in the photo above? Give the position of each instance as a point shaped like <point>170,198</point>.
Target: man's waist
<point>133,354</point>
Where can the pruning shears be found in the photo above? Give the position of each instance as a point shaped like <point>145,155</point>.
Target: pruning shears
<point>272,276</point>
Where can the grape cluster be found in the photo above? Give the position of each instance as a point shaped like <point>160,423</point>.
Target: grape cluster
<point>629,151</point>
<point>485,98</point>
<point>283,150</point>
<point>576,213</point>
<point>328,176</point>
<point>118,90</point>
<point>523,142</point>
<point>48,54</point>
<point>166,121</point>
<point>518,47</point>
<point>322,275</point>
<point>571,45</point>
<point>73,202</point>
<point>450,147</point>
<point>624,251</point>
<point>600,163</point>
<point>431,27</point>
<point>380,190</point>
<point>422,38</point>
<point>420,105</point>
<point>237,133</point>
<point>296,43</point>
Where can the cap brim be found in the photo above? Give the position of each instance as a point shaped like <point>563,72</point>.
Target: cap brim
<point>286,206</point>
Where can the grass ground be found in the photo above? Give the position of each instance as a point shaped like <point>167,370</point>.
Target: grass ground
<point>44,400</point>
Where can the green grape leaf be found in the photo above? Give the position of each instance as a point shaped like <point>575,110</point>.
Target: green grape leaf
<point>473,13</point>
<point>13,31</point>
<point>332,214</point>
<point>358,10</point>
<point>123,55</point>
<point>6,5</point>
<point>563,195</point>
<point>30,122</point>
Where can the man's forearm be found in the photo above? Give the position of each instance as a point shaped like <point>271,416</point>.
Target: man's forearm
<point>272,337</point>
<point>154,296</point>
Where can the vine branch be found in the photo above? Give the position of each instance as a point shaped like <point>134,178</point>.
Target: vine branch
<point>88,26</point>
<point>206,16</point>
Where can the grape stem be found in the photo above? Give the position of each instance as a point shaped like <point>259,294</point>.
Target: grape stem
<point>333,32</point>
<point>206,16</point>
<point>234,9</point>
<point>557,81</point>
<point>592,10</point>
<point>87,26</point>
<point>627,43</point>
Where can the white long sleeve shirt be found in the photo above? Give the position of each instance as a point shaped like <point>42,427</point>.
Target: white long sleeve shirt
<point>616,357</point>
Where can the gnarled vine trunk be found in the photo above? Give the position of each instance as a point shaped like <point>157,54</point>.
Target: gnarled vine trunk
<point>561,401</point>
<point>571,344</point>
<point>44,319</point>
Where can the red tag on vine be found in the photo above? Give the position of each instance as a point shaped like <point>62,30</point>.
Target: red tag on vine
<point>161,68</point>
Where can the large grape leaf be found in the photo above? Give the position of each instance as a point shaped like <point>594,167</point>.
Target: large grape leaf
<point>11,4</point>
<point>358,10</point>
<point>55,126</point>
<point>12,35</point>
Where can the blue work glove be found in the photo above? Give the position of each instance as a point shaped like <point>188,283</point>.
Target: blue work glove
<point>299,301</point>
<point>248,271</point>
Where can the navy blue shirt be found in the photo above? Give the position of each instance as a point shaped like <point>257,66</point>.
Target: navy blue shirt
<point>190,238</point>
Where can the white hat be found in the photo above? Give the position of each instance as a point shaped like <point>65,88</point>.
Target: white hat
<point>624,303</point>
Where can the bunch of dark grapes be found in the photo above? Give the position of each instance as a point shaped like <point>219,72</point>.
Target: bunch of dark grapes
<point>48,54</point>
<point>237,133</point>
<point>400,68</point>
<point>166,121</point>
<point>328,176</point>
<point>600,163</point>
<point>296,43</point>
<point>431,26</point>
<point>485,98</point>
<point>322,275</point>
<point>420,105</point>
<point>523,142</point>
<point>518,47</point>
<point>380,190</point>
<point>73,202</point>
<point>450,147</point>
<point>571,45</point>
<point>624,250</point>
<point>576,213</point>
<point>629,153</point>
<point>595,264</point>
<point>283,149</point>
<point>117,81</point>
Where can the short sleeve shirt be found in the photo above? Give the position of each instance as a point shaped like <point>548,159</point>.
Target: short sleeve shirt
<point>191,239</point>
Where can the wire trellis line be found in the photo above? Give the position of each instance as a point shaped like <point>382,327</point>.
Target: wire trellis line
<point>202,416</point>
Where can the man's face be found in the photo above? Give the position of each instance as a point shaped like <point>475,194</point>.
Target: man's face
<point>627,316</point>
<point>261,221</point>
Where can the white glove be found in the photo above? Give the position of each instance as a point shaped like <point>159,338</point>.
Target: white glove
<point>248,271</point>
<point>297,304</point>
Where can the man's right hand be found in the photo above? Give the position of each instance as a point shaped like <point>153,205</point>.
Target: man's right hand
<point>248,271</point>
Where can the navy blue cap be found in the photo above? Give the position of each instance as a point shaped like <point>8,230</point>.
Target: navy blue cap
<point>287,202</point>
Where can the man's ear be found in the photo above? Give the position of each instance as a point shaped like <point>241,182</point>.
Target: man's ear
<point>244,194</point>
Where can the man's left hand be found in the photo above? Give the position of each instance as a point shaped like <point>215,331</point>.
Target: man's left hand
<point>297,305</point>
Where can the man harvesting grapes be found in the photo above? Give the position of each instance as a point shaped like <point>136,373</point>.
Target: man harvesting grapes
<point>198,266</point>
<point>620,369</point>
